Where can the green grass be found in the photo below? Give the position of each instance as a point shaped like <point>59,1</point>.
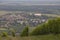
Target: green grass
<point>40,37</point>
<point>3,29</point>
<point>14,38</point>
<point>45,37</point>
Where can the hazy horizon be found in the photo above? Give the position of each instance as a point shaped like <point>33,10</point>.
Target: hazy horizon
<point>29,2</point>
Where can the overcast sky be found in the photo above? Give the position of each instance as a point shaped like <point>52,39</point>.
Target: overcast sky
<point>30,0</point>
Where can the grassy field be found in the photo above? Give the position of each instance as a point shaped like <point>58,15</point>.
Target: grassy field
<point>45,37</point>
<point>5,12</point>
<point>40,37</point>
<point>14,38</point>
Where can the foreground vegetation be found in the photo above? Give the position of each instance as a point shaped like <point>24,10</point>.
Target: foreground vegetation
<point>47,31</point>
<point>40,37</point>
<point>46,37</point>
<point>14,38</point>
<point>50,27</point>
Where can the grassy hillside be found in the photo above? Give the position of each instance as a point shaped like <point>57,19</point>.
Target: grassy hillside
<point>45,37</point>
<point>14,38</point>
<point>40,37</point>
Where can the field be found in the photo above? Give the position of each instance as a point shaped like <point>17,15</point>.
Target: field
<point>14,38</point>
<point>40,37</point>
<point>45,37</point>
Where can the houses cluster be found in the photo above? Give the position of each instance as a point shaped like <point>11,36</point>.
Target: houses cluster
<point>19,21</point>
<point>21,18</point>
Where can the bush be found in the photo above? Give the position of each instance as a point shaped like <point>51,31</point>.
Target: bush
<point>13,32</point>
<point>50,27</point>
<point>54,26</point>
<point>25,32</point>
<point>4,34</point>
<point>40,30</point>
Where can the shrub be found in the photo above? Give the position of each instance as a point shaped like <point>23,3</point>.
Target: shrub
<point>13,32</point>
<point>51,26</point>
<point>4,34</point>
<point>54,26</point>
<point>25,32</point>
<point>40,30</point>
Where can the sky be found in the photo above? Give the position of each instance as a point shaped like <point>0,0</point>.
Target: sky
<point>39,0</point>
<point>30,0</point>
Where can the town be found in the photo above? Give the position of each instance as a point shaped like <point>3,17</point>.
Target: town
<point>19,20</point>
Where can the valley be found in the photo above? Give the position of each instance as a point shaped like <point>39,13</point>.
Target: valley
<point>16,18</point>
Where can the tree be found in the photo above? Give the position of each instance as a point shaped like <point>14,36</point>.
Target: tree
<point>13,32</point>
<point>25,31</point>
<point>50,27</point>
<point>40,30</point>
<point>54,26</point>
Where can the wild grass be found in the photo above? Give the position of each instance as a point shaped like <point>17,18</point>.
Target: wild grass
<point>40,37</point>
